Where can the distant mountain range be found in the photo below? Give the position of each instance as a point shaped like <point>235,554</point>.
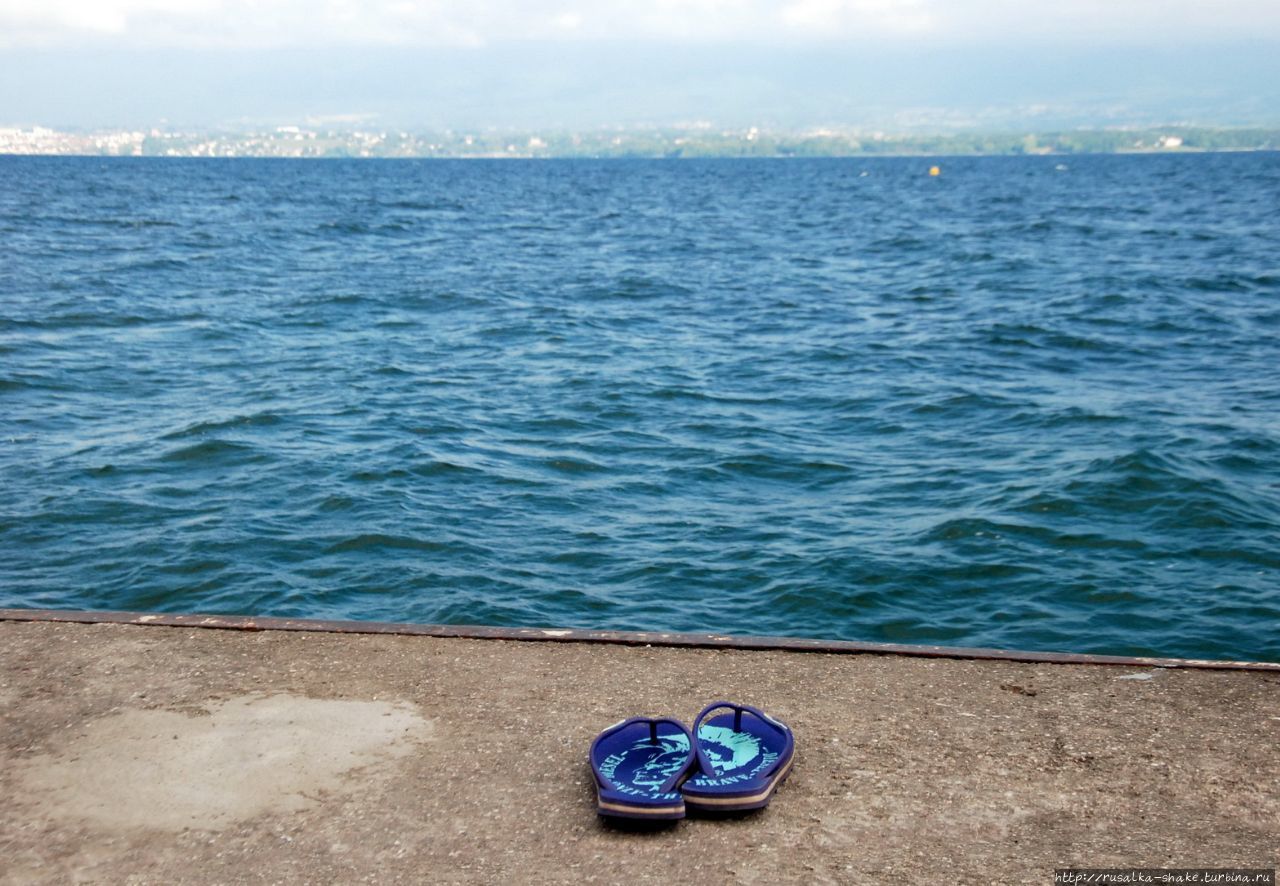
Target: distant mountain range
<point>902,88</point>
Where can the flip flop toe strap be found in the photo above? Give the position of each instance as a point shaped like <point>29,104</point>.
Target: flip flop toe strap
<point>704,761</point>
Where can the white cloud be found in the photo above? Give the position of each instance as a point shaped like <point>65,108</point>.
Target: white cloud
<point>265,23</point>
<point>87,16</point>
<point>821,17</point>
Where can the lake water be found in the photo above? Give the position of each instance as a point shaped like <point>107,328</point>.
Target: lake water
<point>1031,402</point>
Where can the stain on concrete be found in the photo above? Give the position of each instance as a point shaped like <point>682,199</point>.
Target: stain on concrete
<point>218,765</point>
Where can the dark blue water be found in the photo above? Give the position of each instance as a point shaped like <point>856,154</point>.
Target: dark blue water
<point>1016,405</point>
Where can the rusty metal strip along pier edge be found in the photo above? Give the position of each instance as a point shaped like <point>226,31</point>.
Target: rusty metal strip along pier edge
<point>622,638</point>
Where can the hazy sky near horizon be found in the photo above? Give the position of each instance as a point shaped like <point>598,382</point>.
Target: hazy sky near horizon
<point>257,24</point>
<point>895,64</point>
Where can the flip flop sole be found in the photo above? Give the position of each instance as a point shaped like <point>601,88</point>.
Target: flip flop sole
<point>611,809</point>
<point>739,803</point>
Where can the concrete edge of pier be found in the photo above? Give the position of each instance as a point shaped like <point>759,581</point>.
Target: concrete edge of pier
<point>620,638</point>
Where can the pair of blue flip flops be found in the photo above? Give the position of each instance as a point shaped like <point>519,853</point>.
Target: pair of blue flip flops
<point>648,768</point>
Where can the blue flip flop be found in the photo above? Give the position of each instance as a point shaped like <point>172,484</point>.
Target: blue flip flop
<point>639,765</point>
<point>741,760</point>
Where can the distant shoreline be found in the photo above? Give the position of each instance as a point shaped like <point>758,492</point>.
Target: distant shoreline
<point>292,142</point>
<point>633,157</point>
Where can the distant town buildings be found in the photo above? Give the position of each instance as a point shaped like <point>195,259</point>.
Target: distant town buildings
<point>693,140</point>
<point>39,140</point>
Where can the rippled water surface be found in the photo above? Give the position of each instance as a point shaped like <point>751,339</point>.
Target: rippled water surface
<point>1016,405</point>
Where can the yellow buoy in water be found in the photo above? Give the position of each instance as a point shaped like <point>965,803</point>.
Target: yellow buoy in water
<point>935,170</point>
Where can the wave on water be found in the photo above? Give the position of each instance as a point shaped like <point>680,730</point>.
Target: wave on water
<point>1005,407</point>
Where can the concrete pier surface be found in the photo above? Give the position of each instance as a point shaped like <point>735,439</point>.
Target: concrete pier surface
<point>179,755</point>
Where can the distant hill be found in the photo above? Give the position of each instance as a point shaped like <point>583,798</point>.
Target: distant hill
<point>900,87</point>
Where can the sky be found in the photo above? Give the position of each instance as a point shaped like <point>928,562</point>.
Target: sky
<point>572,63</point>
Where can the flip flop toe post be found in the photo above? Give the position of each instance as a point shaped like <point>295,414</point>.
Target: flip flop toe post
<point>638,766</point>
<point>743,755</point>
